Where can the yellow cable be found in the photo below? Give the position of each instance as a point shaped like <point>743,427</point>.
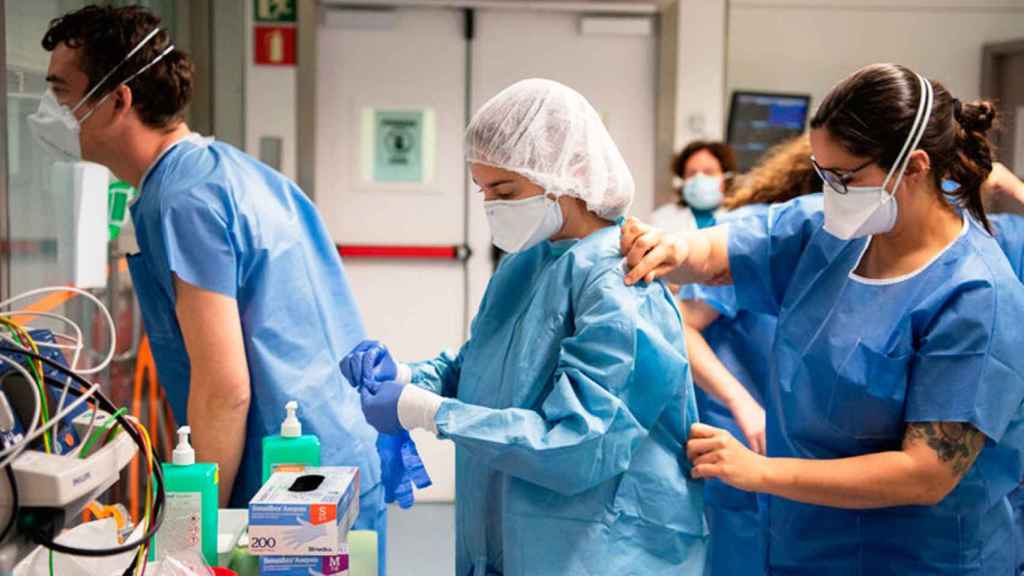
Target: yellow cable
<point>37,368</point>
<point>143,558</point>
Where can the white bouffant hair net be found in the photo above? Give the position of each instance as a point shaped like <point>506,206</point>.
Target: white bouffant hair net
<point>549,133</point>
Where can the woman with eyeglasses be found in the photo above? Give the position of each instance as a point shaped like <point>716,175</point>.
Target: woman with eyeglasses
<point>894,410</point>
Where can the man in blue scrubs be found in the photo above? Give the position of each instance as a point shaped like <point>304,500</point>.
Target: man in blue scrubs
<point>243,294</point>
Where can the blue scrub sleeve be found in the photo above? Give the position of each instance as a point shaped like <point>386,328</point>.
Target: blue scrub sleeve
<point>440,375</point>
<point>960,372</point>
<point>614,377</point>
<point>764,250</point>
<point>1009,233</point>
<point>721,298</point>
<point>198,241</point>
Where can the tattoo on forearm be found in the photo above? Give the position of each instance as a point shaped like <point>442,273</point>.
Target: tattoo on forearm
<point>956,443</point>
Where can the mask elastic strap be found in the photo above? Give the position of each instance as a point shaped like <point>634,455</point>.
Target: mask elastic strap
<point>160,57</point>
<point>138,47</point>
<point>924,112</point>
<point>927,94</point>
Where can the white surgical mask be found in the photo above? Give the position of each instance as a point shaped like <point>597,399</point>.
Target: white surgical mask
<point>703,192</point>
<point>518,225</point>
<point>868,210</point>
<point>55,126</point>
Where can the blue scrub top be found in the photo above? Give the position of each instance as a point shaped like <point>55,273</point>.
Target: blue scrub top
<point>1008,230</point>
<point>742,340</point>
<point>856,360</point>
<point>224,222</point>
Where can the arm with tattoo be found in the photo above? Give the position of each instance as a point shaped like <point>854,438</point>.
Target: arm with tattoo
<point>956,444</point>
<point>934,457</point>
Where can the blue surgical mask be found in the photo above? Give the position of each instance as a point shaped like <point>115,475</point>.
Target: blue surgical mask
<point>703,192</point>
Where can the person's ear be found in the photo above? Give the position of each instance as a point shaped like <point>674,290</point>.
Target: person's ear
<point>122,99</point>
<point>920,165</point>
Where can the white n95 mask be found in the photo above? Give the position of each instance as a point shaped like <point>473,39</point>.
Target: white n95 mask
<point>518,225</point>
<point>861,212</point>
<point>703,192</point>
<point>55,125</point>
<point>868,210</point>
<point>56,128</point>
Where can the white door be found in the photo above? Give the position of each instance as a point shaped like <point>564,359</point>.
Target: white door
<point>377,67</point>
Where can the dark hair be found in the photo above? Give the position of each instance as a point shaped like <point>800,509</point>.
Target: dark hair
<point>871,112</point>
<point>720,150</point>
<point>783,173</point>
<point>104,35</point>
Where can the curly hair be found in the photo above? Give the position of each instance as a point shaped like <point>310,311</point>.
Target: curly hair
<point>104,35</point>
<point>785,172</point>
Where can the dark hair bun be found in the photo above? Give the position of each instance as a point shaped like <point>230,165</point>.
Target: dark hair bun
<point>977,116</point>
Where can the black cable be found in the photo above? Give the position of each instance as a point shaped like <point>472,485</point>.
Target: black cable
<point>39,535</point>
<point>14,503</point>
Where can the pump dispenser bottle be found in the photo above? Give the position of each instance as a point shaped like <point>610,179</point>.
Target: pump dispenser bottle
<point>290,450</point>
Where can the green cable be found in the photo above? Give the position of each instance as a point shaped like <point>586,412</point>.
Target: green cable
<point>96,435</point>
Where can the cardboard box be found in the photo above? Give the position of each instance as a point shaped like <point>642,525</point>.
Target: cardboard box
<point>304,513</point>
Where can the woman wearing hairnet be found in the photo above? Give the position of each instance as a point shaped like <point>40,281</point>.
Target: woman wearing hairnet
<point>568,405</point>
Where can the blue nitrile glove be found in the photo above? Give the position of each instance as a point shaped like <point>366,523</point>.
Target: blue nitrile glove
<point>380,406</point>
<point>401,467</point>
<point>369,363</point>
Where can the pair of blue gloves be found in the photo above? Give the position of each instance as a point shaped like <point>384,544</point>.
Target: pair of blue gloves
<point>372,371</point>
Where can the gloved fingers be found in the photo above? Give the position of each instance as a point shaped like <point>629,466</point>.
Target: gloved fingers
<point>366,345</point>
<point>359,369</point>
<point>404,495</point>
<point>366,376</point>
<point>347,366</point>
<point>365,395</point>
<point>414,465</point>
<point>420,477</point>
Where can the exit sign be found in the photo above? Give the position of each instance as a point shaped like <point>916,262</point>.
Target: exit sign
<point>274,10</point>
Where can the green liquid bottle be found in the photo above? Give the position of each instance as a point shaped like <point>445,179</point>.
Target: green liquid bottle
<point>291,450</point>
<point>190,520</point>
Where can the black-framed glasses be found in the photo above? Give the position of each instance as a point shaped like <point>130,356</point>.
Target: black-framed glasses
<point>837,179</point>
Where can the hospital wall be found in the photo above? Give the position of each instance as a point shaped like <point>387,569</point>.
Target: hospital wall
<point>807,45</point>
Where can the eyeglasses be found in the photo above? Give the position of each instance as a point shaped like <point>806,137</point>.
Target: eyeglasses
<point>837,179</point>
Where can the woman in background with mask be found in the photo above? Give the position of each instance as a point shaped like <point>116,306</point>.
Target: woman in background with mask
<point>730,349</point>
<point>705,169</point>
<point>894,409</point>
<point>570,403</point>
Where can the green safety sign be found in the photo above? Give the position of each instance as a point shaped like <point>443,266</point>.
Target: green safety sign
<point>398,146</point>
<point>119,196</point>
<point>274,10</point>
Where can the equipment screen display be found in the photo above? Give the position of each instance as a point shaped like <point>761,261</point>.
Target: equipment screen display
<point>760,120</point>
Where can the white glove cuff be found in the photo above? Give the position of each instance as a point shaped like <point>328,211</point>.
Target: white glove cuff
<point>417,408</point>
<point>404,374</point>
